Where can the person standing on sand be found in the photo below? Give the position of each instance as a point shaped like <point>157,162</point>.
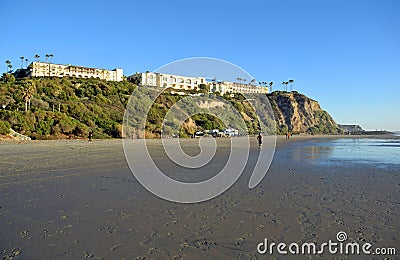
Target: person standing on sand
<point>259,138</point>
<point>90,135</point>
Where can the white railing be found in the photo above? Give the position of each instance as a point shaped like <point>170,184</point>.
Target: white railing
<point>19,136</point>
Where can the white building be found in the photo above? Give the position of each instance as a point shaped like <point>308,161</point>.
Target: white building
<point>45,69</point>
<point>162,80</point>
<point>228,87</point>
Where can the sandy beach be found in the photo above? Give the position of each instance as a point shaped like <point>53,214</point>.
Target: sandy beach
<point>74,199</point>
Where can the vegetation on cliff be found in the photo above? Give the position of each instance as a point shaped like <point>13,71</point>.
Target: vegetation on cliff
<point>45,108</point>
<point>51,108</point>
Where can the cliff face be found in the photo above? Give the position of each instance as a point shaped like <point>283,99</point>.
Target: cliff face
<point>298,114</point>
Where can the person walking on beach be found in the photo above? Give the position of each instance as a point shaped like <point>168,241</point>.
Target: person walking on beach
<point>259,138</point>
<point>90,135</point>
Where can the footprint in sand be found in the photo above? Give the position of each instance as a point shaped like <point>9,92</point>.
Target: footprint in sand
<point>185,226</point>
<point>260,227</point>
<point>239,241</point>
<point>240,223</point>
<point>191,215</point>
<point>24,233</point>
<point>115,247</point>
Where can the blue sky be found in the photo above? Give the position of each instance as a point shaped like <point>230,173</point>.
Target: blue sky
<point>345,54</point>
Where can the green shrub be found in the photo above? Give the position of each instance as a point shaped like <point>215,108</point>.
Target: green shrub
<point>4,127</point>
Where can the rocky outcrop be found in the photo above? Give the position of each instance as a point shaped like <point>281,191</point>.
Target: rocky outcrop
<point>297,113</point>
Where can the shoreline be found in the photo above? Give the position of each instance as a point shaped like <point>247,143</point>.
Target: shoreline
<point>296,137</point>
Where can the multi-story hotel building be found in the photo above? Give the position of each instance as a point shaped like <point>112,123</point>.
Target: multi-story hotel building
<point>233,87</point>
<point>162,80</point>
<point>45,69</point>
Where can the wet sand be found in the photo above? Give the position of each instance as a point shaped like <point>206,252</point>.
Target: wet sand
<point>74,199</point>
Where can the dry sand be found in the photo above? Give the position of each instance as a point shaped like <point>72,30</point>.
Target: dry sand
<point>74,199</point>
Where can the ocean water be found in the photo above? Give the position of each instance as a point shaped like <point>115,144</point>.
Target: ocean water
<point>376,152</point>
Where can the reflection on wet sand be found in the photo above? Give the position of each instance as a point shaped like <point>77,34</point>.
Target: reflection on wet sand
<point>356,150</point>
<point>310,153</point>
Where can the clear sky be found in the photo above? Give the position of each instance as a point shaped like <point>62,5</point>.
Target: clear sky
<point>345,54</point>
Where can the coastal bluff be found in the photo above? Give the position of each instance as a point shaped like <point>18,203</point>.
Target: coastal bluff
<point>298,113</point>
<point>67,108</point>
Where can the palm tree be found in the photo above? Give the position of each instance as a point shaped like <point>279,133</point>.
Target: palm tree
<point>51,56</point>
<point>244,80</point>
<point>37,57</point>
<point>252,81</point>
<point>8,62</point>
<point>22,61</point>
<point>283,84</point>
<point>9,68</point>
<point>27,93</point>
<point>270,86</point>
<point>47,57</point>
<point>240,81</point>
<point>26,97</point>
<point>26,63</point>
<point>291,81</point>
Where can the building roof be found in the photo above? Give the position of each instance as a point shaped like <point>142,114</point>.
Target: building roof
<point>69,65</point>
